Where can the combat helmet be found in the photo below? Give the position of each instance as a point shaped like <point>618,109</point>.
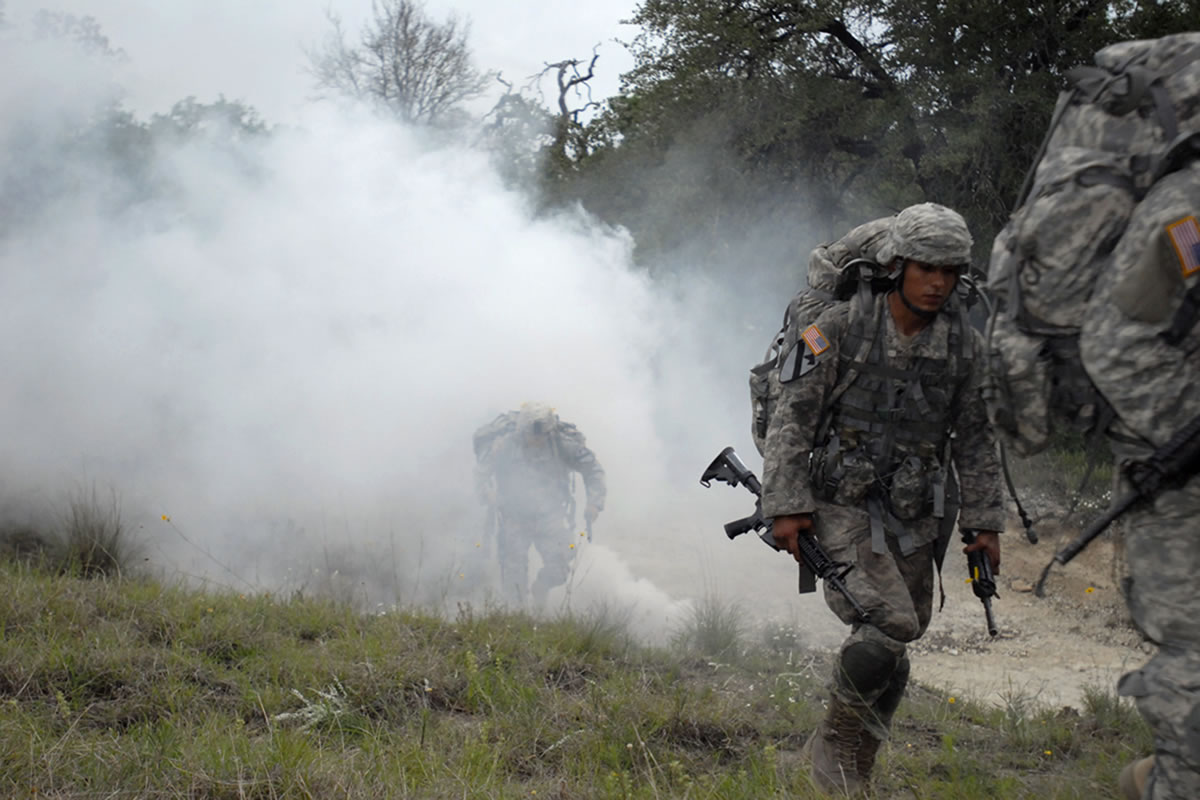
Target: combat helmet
<point>536,419</point>
<point>929,233</point>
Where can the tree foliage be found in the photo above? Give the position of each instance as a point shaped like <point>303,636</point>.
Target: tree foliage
<point>85,32</point>
<point>420,70</point>
<point>745,113</point>
<point>95,143</point>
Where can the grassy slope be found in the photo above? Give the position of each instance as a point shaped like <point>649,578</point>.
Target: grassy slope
<point>133,689</point>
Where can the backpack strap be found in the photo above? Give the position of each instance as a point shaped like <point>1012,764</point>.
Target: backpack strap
<point>846,378</point>
<point>1125,89</point>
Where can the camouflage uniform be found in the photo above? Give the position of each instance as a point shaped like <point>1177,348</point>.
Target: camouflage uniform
<point>1151,384</point>
<point>527,471</point>
<point>887,405</point>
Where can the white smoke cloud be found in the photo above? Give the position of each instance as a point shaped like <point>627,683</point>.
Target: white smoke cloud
<point>288,357</point>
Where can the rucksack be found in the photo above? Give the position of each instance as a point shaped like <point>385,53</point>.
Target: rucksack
<point>1119,127</point>
<point>836,272</point>
<point>487,435</point>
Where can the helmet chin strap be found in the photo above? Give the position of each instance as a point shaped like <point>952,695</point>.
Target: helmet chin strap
<point>920,312</point>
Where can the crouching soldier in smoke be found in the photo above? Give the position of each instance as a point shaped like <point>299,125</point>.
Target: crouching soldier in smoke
<point>526,462</point>
<point>858,453</point>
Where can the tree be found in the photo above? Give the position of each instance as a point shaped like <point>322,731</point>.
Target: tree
<point>85,32</point>
<point>517,131</point>
<point>744,113</point>
<point>418,69</point>
<point>533,145</point>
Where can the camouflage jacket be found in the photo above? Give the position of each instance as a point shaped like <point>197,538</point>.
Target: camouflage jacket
<point>1149,382</point>
<point>804,402</point>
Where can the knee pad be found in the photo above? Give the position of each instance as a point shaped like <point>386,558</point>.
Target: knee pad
<point>866,667</point>
<point>889,701</point>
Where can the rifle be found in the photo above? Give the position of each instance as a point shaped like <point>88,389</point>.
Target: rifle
<point>983,581</point>
<point>728,468</point>
<point>1170,466</point>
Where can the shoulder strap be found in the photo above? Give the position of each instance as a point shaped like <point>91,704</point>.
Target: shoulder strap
<point>846,377</point>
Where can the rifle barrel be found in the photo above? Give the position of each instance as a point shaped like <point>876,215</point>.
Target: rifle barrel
<point>1077,545</point>
<point>1098,527</point>
<point>991,619</point>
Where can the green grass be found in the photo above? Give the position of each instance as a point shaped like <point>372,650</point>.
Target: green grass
<point>120,687</point>
<point>87,539</point>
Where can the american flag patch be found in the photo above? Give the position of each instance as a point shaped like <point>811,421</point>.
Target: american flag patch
<point>816,340</point>
<point>1185,236</point>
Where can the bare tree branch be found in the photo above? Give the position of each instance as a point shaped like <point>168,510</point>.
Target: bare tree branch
<point>419,69</point>
<point>576,79</point>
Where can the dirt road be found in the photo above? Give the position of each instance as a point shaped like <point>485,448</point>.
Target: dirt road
<point>1049,650</point>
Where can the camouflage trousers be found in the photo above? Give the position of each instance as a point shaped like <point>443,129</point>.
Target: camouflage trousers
<point>550,537</point>
<point>895,589</point>
<point>1162,546</point>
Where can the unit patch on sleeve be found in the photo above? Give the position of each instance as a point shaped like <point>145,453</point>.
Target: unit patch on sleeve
<point>816,340</point>
<point>1185,237</point>
<point>802,360</point>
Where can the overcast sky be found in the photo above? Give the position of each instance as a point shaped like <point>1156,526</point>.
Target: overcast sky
<point>252,50</point>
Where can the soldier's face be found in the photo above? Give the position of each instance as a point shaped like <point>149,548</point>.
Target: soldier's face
<point>928,286</point>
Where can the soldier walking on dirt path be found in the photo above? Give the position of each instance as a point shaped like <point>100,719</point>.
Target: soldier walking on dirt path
<point>879,413</point>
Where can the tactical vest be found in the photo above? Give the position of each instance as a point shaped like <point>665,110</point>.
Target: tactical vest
<point>887,433</point>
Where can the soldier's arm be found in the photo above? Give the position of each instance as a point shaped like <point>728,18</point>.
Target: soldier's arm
<point>975,455</point>
<point>580,458</point>
<point>806,379</point>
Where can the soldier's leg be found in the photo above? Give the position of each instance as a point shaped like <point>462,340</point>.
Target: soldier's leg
<point>872,669</point>
<point>553,544</point>
<point>917,572</point>
<point>1163,554</point>
<point>512,551</point>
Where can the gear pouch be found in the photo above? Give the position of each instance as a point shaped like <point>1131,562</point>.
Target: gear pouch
<point>910,494</point>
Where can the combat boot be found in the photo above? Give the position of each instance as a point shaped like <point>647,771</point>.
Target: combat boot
<point>1133,779</point>
<point>832,750</point>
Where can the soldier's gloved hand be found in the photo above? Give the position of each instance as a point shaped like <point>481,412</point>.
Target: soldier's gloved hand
<point>989,542</point>
<point>786,531</point>
<point>590,513</point>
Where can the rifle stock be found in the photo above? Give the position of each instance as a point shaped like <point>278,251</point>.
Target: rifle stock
<point>728,468</point>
